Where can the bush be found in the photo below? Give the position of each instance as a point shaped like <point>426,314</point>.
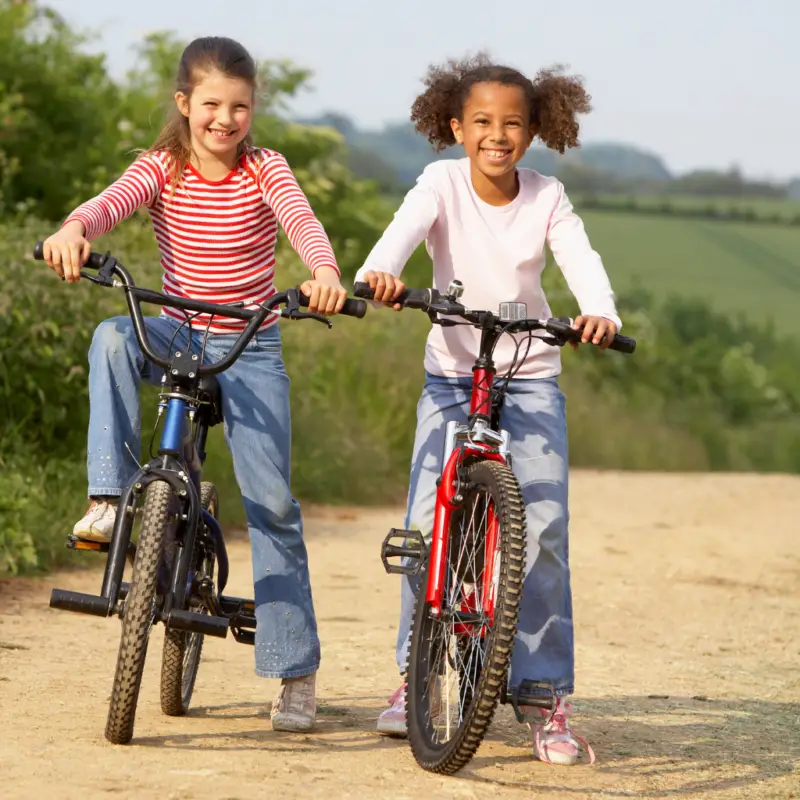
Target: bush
<point>703,391</point>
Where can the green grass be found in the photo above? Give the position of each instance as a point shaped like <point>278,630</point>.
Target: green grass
<point>739,269</point>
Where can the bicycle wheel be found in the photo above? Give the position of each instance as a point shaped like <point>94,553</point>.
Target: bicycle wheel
<point>458,661</point>
<point>139,612</point>
<point>181,658</point>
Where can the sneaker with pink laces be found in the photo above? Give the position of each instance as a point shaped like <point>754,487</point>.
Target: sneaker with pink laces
<point>97,524</point>
<point>295,705</point>
<point>553,741</point>
<point>392,722</point>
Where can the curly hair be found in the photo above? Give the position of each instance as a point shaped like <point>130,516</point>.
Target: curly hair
<point>554,100</point>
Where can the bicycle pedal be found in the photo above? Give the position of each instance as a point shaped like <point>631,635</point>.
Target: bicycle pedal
<point>409,546</point>
<point>76,543</point>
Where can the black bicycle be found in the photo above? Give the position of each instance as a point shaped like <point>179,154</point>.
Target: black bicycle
<point>179,561</point>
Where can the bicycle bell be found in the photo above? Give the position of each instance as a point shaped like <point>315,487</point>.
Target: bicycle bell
<point>511,312</point>
<point>454,290</point>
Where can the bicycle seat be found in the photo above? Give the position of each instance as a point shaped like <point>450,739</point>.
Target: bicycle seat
<point>210,393</point>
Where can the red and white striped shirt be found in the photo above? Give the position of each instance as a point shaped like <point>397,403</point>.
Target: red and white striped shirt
<point>217,238</point>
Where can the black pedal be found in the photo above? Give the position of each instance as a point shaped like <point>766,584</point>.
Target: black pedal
<point>531,693</point>
<point>76,543</point>
<point>244,636</point>
<point>410,546</point>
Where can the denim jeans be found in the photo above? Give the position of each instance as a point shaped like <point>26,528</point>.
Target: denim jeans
<point>255,402</point>
<point>534,414</point>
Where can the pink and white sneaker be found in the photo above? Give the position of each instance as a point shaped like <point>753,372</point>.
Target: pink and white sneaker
<point>553,741</point>
<point>392,722</point>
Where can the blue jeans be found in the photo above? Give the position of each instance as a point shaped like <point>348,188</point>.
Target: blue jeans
<point>255,403</point>
<point>533,412</point>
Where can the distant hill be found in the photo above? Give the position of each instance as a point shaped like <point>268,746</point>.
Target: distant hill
<point>399,149</point>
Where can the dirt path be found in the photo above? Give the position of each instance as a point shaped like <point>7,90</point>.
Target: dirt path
<point>688,630</point>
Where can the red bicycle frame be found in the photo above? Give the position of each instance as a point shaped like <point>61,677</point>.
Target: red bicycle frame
<point>446,503</point>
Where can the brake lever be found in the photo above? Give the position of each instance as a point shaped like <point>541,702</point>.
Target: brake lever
<point>295,313</point>
<point>100,281</point>
<point>553,341</point>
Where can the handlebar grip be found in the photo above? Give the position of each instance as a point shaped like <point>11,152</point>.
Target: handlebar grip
<point>362,289</point>
<point>351,307</point>
<point>354,308</point>
<point>623,344</point>
<point>95,260</point>
<point>413,298</point>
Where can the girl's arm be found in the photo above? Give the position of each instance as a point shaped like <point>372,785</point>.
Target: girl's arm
<point>284,196</point>
<point>66,250</point>
<point>581,266</point>
<point>138,186</point>
<point>409,227</point>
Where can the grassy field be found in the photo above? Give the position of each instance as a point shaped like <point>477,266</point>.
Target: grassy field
<point>737,268</point>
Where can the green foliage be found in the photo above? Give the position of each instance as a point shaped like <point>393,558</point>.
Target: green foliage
<point>587,193</point>
<point>58,140</point>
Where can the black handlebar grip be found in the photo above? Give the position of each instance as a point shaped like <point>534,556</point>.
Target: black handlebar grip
<point>351,307</point>
<point>95,260</point>
<point>623,344</point>
<point>354,308</point>
<point>362,289</point>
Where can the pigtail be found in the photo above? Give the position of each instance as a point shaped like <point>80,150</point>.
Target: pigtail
<point>557,101</point>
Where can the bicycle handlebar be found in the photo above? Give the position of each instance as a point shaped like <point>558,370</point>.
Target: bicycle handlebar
<point>434,302</point>
<point>109,268</point>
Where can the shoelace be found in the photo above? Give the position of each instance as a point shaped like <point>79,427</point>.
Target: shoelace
<point>556,723</point>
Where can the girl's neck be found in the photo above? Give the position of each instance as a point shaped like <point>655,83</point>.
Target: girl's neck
<point>212,167</point>
<point>498,191</point>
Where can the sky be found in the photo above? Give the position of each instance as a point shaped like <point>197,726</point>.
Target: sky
<point>700,83</point>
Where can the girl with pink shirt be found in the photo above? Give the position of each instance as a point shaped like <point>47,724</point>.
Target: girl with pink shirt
<point>486,223</point>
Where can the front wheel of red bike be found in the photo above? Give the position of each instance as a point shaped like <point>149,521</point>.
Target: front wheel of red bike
<point>458,659</point>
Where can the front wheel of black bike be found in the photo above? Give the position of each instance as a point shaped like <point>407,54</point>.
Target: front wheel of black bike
<point>181,658</point>
<point>139,612</point>
<point>458,660</point>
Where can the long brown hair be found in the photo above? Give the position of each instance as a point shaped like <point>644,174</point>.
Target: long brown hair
<point>201,57</point>
<point>554,100</point>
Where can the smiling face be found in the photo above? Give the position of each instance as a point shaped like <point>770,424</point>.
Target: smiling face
<point>495,129</point>
<point>220,112</point>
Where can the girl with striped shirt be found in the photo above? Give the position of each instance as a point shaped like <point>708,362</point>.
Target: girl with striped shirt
<point>216,203</point>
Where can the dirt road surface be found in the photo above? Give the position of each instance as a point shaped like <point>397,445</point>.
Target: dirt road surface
<point>687,607</point>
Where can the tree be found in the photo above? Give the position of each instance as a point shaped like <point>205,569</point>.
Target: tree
<point>58,139</point>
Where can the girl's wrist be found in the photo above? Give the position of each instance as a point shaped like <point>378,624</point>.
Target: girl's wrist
<point>74,225</point>
<point>326,275</point>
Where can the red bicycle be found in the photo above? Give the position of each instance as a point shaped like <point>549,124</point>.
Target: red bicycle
<point>467,608</point>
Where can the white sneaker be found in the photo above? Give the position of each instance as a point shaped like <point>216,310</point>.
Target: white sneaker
<point>295,706</point>
<point>97,524</point>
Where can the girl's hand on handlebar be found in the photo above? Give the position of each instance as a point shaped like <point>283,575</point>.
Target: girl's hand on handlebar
<point>597,330</point>
<point>325,293</point>
<point>386,287</point>
<point>66,251</point>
